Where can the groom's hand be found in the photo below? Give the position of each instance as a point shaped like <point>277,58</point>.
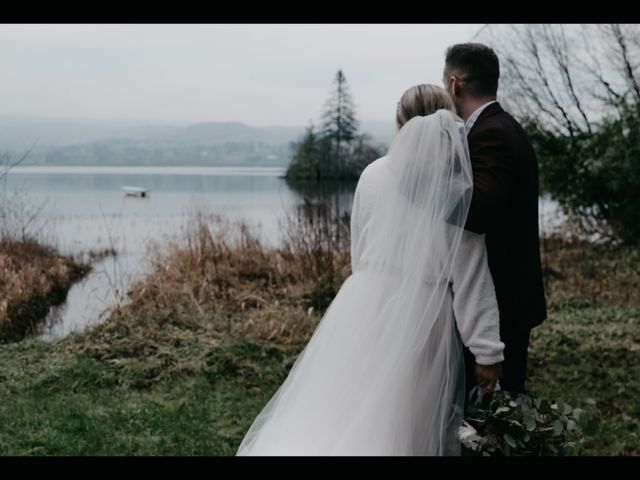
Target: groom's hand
<point>488,375</point>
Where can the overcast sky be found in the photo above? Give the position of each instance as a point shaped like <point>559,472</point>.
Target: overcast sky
<point>181,74</point>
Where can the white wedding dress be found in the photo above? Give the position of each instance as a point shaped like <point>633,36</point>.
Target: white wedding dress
<point>383,373</point>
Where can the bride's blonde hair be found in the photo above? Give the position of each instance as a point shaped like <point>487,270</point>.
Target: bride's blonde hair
<point>421,100</point>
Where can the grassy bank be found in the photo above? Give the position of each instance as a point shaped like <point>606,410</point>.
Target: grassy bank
<point>214,328</point>
<point>33,277</point>
<point>588,351</point>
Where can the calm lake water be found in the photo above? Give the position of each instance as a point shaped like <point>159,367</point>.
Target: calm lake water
<point>86,209</point>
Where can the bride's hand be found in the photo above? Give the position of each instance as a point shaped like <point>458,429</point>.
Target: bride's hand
<point>488,375</point>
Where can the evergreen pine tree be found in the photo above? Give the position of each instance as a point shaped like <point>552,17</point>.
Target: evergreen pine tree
<point>339,123</point>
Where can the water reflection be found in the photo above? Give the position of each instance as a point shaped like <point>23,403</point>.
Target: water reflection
<point>327,203</point>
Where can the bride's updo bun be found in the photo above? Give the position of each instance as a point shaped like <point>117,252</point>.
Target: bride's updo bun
<point>421,100</point>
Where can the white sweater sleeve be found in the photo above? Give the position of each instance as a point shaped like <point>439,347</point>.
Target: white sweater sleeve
<point>355,227</point>
<point>474,300</point>
<point>363,203</point>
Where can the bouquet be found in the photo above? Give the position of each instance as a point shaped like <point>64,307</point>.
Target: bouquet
<point>517,424</point>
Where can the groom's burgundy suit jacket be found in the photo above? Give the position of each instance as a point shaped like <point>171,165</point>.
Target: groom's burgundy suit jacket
<point>504,206</point>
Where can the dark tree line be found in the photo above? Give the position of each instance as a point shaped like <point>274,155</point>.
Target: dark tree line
<point>335,150</point>
<point>576,88</point>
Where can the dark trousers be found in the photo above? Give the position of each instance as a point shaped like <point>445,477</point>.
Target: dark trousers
<point>514,367</point>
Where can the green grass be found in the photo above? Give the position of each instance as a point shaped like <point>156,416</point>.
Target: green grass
<point>180,379</point>
<point>590,358</point>
<point>54,402</point>
<point>55,399</point>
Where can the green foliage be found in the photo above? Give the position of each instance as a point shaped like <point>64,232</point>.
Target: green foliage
<point>361,153</point>
<point>337,151</point>
<point>310,156</point>
<point>596,176</point>
<point>523,425</point>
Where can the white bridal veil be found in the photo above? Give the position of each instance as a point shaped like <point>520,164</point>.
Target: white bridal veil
<point>383,371</point>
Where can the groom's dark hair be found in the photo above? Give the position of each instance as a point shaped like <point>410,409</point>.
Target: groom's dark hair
<point>477,64</point>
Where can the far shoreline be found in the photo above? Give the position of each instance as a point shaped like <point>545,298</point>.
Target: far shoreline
<point>147,169</point>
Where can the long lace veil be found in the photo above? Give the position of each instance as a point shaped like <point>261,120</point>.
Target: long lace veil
<point>382,373</point>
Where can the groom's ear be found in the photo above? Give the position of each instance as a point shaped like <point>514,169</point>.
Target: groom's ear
<point>455,85</point>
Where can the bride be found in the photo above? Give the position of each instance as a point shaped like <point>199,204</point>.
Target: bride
<point>383,373</point>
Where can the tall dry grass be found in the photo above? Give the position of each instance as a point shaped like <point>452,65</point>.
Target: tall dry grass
<point>220,277</point>
<point>221,281</point>
<point>579,273</point>
<point>33,277</point>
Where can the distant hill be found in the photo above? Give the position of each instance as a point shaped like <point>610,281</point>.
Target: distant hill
<point>82,141</point>
<point>222,132</point>
<point>17,132</point>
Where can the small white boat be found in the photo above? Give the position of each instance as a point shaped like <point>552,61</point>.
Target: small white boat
<point>135,191</point>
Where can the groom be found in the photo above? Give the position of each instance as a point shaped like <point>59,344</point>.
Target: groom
<point>504,206</point>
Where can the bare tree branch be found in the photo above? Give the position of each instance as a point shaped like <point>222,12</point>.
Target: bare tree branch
<point>572,75</point>
<point>542,73</point>
<point>8,164</point>
<point>628,68</point>
<point>559,50</point>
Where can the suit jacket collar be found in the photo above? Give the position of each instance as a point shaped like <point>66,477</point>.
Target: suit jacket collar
<point>487,112</point>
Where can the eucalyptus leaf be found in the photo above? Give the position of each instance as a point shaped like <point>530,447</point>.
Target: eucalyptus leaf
<point>558,428</point>
<point>591,427</point>
<point>505,429</point>
<point>509,439</point>
<point>529,424</point>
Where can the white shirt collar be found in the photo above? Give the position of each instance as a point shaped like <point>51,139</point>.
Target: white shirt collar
<point>468,124</point>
